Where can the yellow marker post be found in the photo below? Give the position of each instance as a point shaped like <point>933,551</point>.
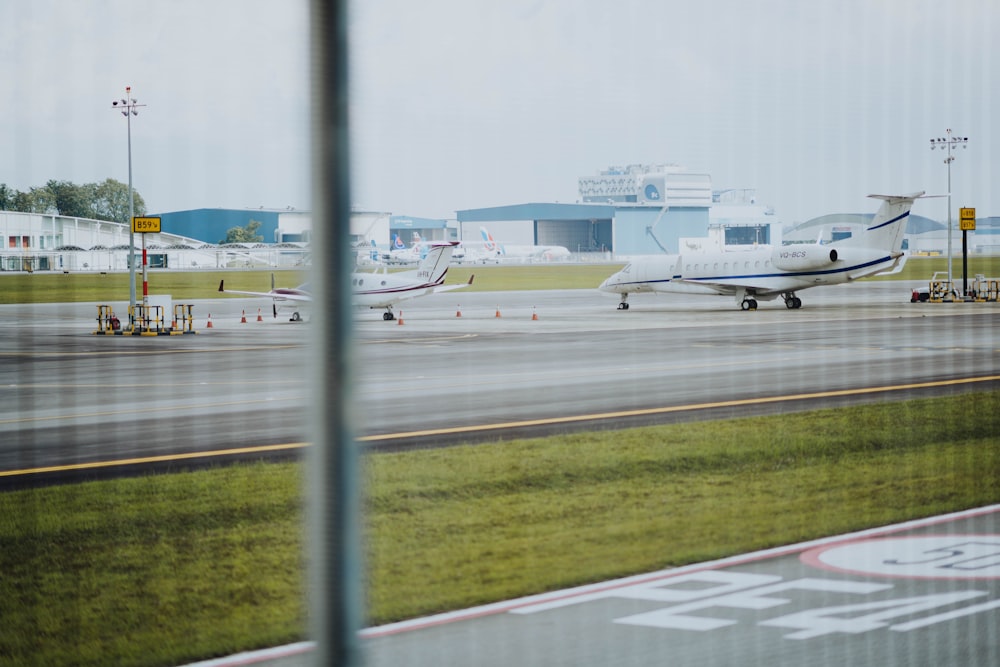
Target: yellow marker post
<point>967,223</point>
<point>145,226</point>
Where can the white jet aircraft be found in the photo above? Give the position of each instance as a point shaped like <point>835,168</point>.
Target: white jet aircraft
<point>375,290</point>
<point>495,251</point>
<point>767,272</point>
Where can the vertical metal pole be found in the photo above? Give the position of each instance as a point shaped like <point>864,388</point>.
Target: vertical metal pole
<point>131,211</point>
<point>951,284</point>
<point>335,586</point>
<point>145,283</point>
<point>965,263</point>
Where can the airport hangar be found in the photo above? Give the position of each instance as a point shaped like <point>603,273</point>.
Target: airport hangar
<point>626,211</point>
<point>653,209</point>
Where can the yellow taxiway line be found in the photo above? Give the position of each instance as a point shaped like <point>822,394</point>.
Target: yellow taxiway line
<point>503,425</point>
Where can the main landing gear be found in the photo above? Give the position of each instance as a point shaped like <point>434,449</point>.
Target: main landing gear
<point>748,304</point>
<point>387,315</point>
<point>792,302</point>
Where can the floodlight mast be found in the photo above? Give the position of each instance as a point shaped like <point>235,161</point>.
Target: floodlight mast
<point>945,143</point>
<point>129,107</point>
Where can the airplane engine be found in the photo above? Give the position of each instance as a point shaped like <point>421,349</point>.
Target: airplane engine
<point>803,257</point>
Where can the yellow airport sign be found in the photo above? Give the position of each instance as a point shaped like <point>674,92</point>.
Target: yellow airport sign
<point>967,219</point>
<point>146,225</point>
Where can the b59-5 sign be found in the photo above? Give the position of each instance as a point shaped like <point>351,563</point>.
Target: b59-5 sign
<point>146,225</point>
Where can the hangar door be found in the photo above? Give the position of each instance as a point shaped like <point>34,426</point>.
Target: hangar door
<point>575,235</point>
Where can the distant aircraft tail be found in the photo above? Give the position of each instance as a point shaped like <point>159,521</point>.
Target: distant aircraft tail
<point>888,226</point>
<point>489,242</point>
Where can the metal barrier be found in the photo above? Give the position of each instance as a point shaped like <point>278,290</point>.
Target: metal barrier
<point>107,323</point>
<point>985,289</point>
<point>184,317</point>
<point>939,289</point>
<point>146,320</point>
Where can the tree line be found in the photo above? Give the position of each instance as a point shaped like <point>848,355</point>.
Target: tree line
<point>100,201</point>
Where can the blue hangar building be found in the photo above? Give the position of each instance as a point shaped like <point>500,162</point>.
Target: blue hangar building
<point>210,225</point>
<point>633,210</point>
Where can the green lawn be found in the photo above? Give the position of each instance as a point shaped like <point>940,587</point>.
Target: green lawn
<point>171,568</point>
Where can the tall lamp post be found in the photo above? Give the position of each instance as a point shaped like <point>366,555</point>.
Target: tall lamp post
<point>129,107</point>
<point>945,143</point>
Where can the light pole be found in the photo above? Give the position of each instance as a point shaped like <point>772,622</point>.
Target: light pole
<point>129,107</point>
<point>945,143</point>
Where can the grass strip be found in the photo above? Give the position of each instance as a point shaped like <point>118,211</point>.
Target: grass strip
<point>152,571</point>
<point>459,527</point>
<point>102,288</point>
<point>25,288</point>
<point>168,569</point>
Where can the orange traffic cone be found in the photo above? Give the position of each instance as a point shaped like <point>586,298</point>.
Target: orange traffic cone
<point>399,320</point>
<point>498,312</point>
<point>458,313</point>
<point>209,325</point>
<point>243,318</point>
<point>534,315</point>
<point>259,318</point>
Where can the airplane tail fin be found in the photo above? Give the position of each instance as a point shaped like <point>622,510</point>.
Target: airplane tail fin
<point>489,242</point>
<point>889,224</point>
<point>434,266</point>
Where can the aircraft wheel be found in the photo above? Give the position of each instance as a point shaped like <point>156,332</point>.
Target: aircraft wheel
<point>797,302</point>
<point>749,304</point>
<point>790,303</point>
<point>388,316</point>
<point>623,306</point>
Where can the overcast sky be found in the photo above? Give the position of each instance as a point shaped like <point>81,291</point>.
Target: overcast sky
<point>461,104</point>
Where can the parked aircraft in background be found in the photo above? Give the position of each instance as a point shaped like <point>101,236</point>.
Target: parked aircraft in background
<point>400,253</point>
<point>379,289</point>
<point>493,250</point>
<point>767,272</point>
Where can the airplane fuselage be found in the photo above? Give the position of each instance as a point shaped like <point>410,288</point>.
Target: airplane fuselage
<point>763,273</point>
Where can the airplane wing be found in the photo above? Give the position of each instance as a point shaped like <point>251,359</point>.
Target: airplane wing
<point>277,294</point>
<point>731,286</point>
<point>448,288</point>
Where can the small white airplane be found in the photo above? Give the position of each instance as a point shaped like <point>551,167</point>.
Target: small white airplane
<point>767,272</point>
<point>374,290</point>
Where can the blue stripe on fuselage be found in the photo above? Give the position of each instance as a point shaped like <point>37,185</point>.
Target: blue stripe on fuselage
<point>752,276</point>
